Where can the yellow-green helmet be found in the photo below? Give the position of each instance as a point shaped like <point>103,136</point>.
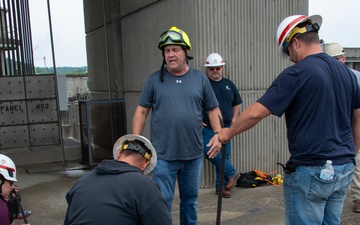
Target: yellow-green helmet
<point>174,36</point>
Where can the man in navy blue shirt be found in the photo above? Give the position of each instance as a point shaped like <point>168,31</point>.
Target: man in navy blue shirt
<point>320,98</point>
<point>229,100</point>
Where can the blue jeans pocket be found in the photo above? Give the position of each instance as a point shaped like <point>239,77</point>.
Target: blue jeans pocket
<point>319,189</point>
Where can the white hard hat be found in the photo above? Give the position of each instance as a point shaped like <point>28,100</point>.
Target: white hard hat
<point>334,49</point>
<point>123,143</point>
<point>286,27</point>
<point>7,168</point>
<point>214,59</point>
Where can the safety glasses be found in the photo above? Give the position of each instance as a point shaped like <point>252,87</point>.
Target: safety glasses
<point>214,68</point>
<point>288,42</point>
<point>172,35</point>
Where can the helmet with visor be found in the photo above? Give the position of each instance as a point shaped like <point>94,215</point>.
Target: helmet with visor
<point>174,36</point>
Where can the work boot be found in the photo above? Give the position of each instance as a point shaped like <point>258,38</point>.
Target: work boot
<point>356,206</point>
<point>231,183</point>
<point>225,193</point>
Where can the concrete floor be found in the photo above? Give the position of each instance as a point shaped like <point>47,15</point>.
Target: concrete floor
<point>43,188</point>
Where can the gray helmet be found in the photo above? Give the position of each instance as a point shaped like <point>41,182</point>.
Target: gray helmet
<point>124,143</point>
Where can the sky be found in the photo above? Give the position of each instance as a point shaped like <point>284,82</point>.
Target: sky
<point>340,21</point>
<point>339,24</point>
<point>67,17</point>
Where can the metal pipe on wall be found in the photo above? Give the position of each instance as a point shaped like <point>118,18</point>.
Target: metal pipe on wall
<point>56,86</point>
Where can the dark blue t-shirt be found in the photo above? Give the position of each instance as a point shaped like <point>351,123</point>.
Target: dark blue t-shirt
<point>318,96</point>
<point>228,96</point>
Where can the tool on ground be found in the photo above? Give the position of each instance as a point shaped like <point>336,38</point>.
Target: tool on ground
<point>256,178</point>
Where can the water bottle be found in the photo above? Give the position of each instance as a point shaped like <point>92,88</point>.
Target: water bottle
<point>327,171</point>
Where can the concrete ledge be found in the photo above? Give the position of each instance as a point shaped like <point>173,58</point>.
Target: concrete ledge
<point>45,154</point>
<point>54,167</point>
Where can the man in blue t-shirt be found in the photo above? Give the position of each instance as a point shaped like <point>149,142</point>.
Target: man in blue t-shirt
<point>321,102</point>
<point>229,100</point>
<point>177,95</point>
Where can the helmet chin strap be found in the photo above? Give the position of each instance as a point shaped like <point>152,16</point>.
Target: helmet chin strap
<point>186,54</point>
<point>1,184</point>
<point>162,70</point>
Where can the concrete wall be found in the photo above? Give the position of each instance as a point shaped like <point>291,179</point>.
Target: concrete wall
<point>122,52</point>
<point>353,58</point>
<point>76,85</point>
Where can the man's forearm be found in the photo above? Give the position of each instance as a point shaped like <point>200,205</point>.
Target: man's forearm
<point>215,116</point>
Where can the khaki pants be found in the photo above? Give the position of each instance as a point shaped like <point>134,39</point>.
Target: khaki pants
<point>355,184</point>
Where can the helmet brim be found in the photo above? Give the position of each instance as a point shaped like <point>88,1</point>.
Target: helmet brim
<point>214,64</point>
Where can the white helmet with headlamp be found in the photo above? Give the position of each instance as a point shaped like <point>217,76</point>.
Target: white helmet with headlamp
<point>138,144</point>
<point>288,29</point>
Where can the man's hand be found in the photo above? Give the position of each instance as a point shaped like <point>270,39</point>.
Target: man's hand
<point>215,146</point>
<point>223,136</point>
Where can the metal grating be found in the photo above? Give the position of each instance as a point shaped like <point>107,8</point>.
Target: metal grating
<point>15,38</point>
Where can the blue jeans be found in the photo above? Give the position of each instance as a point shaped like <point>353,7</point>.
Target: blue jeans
<point>229,170</point>
<point>310,200</point>
<point>188,174</point>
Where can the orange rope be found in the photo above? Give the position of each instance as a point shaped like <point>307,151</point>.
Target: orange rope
<point>266,176</point>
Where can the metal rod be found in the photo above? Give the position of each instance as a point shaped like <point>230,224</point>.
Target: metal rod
<point>56,86</point>
<point>222,168</point>
<point>108,72</point>
<point>21,209</point>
